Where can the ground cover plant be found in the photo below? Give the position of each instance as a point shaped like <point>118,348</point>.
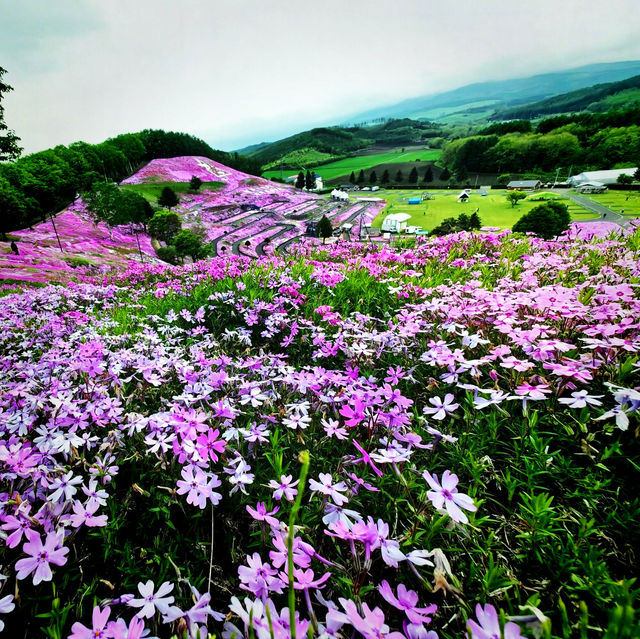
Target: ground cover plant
<point>493,208</point>
<point>347,441</point>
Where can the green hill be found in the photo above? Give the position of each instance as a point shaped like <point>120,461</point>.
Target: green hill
<point>600,97</point>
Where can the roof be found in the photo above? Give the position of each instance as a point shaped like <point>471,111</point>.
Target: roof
<point>463,194</point>
<point>400,217</point>
<point>606,177</point>
<point>523,183</point>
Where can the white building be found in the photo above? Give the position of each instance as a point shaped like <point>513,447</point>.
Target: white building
<point>396,222</point>
<point>603,177</point>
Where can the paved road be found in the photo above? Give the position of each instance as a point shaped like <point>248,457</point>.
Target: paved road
<point>604,213</point>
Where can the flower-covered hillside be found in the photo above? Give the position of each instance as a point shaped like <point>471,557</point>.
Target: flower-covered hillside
<point>345,442</point>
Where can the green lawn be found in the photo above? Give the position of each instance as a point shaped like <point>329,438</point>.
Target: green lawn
<point>618,201</point>
<point>151,191</point>
<point>363,162</point>
<point>494,209</point>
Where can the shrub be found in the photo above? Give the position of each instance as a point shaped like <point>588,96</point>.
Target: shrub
<point>167,254</point>
<point>164,225</point>
<point>546,220</point>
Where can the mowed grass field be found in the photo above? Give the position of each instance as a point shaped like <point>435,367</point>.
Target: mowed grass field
<point>364,162</point>
<point>151,191</point>
<point>493,209</point>
<point>618,201</point>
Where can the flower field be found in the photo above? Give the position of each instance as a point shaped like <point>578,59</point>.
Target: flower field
<point>340,441</point>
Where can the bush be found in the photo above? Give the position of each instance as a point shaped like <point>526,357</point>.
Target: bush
<point>167,254</point>
<point>546,220</point>
<point>188,243</point>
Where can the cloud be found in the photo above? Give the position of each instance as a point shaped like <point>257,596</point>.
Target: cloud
<point>239,69</point>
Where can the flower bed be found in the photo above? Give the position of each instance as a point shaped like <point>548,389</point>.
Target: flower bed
<point>394,443</point>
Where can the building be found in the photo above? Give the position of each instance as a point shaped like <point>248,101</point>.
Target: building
<point>336,194</point>
<point>524,185</point>
<point>591,187</point>
<point>463,197</point>
<point>603,177</point>
<point>396,222</point>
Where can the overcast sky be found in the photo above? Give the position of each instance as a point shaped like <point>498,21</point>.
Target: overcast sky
<point>236,72</point>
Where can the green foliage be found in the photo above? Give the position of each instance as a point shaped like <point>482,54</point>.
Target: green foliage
<point>168,198</point>
<point>107,203</point>
<point>463,222</point>
<point>187,242</point>
<point>399,177</point>
<point>514,197</point>
<point>165,225</point>
<point>9,148</point>
<point>352,178</point>
<point>623,178</point>
<point>413,175</point>
<point>167,254</point>
<point>444,174</point>
<point>300,180</point>
<point>325,229</point>
<point>546,220</point>
<point>310,180</point>
<point>195,183</point>
<point>385,177</point>
<point>428,175</point>
<point>373,177</point>
<point>360,179</point>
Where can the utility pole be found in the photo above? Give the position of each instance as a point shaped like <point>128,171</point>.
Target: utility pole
<point>55,230</point>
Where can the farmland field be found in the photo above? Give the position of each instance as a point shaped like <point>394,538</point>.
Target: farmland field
<point>364,162</point>
<point>494,209</point>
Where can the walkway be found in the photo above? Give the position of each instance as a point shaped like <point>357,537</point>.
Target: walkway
<point>604,214</point>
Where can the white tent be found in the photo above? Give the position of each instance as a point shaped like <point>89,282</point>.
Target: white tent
<point>339,195</point>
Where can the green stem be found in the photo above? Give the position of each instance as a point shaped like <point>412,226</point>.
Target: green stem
<point>303,458</point>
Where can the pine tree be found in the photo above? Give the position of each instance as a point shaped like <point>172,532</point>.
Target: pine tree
<point>310,181</point>
<point>352,178</point>
<point>361,177</point>
<point>324,228</point>
<point>428,175</point>
<point>474,221</point>
<point>444,174</point>
<point>385,177</point>
<point>373,178</point>
<point>168,198</point>
<point>195,183</point>
<point>300,180</point>
<point>413,175</point>
<point>399,176</point>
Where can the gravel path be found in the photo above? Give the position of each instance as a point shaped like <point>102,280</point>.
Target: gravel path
<point>604,214</point>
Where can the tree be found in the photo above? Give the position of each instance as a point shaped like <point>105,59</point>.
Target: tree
<point>444,174</point>
<point>373,178</point>
<point>623,178</point>
<point>102,203</point>
<point>385,177</point>
<point>546,220</point>
<point>9,149</point>
<point>474,221</point>
<point>165,225</point>
<point>352,178</point>
<point>195,183</point>
<point>310,181</point>
<point>324,228</point>
<point>12,208</point>
<point>503,179</point>
<point>133,208</point>
<point>448,225</point>
<point>428,175</point>
<point>515,196</point>
<point>399,176</point>
<point>361,176</point>
<point>464,222</point>
<point>189,243</point>
<point>413,175</point>
<point>300,180</point>
<point>168,198</point>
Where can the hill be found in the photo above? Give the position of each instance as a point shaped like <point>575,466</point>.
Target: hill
<point>478,101</point>
<point>597,98</point>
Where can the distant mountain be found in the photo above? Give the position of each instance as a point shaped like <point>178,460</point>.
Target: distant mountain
<point>478,101</point>
<point>598,98</point>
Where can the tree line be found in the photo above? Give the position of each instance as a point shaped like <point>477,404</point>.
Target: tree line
<point>582,141</point>
<point>41,183</point>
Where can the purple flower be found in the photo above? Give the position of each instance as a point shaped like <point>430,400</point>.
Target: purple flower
<point>41,555</point>
<point>327,487</point>
<point>440,408</point>
<point>406,600</point>
<point>447,495</point>
<point>85,515</point>
<point>119,630</point>
<point>259,578</point>
<point>488,626</point>
<point>98,628</point>
<point>260,513</point>
<point>285,488</point>
<point>152,601</point>
<point>370,623</point>
<point>6,605</point>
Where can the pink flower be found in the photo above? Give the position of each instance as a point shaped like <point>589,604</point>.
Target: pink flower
<point>260,513</point>
<point>99,620</point>
<point>285,488</point>
<point>152,601</point>
<point>406,600</point>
